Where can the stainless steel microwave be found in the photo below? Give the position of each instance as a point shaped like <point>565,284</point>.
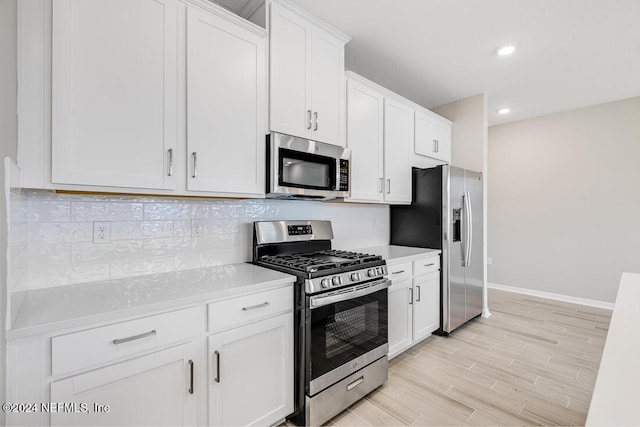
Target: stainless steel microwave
<point>299,168</point>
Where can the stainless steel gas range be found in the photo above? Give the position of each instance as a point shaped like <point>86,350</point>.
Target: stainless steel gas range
<point>341,306</point>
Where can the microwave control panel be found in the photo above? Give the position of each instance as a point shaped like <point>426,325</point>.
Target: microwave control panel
<point>343,185</point>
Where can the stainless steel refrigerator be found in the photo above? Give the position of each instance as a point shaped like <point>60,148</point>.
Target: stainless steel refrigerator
<point>446,213</point>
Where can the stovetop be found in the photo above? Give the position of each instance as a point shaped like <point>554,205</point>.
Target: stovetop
<point>319,261</point>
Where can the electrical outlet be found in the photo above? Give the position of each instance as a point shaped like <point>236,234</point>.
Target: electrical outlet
<point>489,260</point>
<point>196,228</point>
<point>101,232</point>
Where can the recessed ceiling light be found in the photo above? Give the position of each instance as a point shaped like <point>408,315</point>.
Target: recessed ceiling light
<point>504,111</point>
<point>505,50</point>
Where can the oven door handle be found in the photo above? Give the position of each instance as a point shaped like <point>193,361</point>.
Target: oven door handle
<point>346,294</point>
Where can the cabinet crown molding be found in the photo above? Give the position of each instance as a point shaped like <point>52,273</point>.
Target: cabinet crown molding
<point>388,93</point>
<point>220,11</point>
<point>315,21</point>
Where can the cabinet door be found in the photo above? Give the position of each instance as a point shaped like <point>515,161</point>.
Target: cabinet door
<point>398,138</point>
<point>426,307</point>
<point>225,105</point>
<point>400,316</point>
<point>149,390</point>
<point>290,59</point>
<point>251,373</point>
<point>327,87</point>
<point>365,108</point>
<point>432,138</point>
<point>113,92</point>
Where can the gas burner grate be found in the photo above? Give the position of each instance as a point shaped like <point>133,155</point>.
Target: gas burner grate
<point>316,261</point>
<point>355,256</point>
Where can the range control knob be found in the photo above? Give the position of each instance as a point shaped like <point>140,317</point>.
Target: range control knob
<point>355,277</point>
<point>336,280</point>
<point>371,272</point>
<point>325,283</point>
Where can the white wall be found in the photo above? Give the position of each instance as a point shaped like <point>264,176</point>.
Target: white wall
<point>8,147</point>
<point>154,235</point>
<point>564,200</point>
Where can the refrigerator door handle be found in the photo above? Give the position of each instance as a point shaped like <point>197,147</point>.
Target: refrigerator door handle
<point>469,229</point>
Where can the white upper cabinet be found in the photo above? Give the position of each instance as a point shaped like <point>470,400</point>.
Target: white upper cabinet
<point>307,89</point>
<point>432,139</point>
<point>113,84</point>
<point>365,133</point>
<point>290,85</point>
<point>398,138</point>
<point>226,101</point>
<point>146,96</point>
<point>379,134</point>
<point>327,86</point>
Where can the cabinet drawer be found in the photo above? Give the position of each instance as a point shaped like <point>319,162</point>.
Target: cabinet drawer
<point>399,271</point>
<point>248,308</point>
<point>426,265</point>
<point>98,346</point>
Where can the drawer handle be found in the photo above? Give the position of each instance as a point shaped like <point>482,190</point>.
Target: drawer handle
<point>190,376</point>
<point>217,378</point>
<point>253,307</point>
<point>418,296</point>
<point>397,272</point>
<point>135,337</point>
<point>356,383</point>
<point>429,265</point>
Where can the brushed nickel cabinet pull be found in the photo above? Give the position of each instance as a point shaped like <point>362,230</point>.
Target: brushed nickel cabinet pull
<point>411,296</point>
<point>217,378</point>
<point>190,376</point>
<point>418,296</point>
<point>170,173</point>
<point>388,186</point>
<point>253,307</point>
<point>134,337</point>
<point>397,272</point>
<point>308,119</point>
<point>195,164</point>
<point>315,117</point>
<point>381,185</point>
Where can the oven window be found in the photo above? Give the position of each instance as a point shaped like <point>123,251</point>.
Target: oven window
<point>343,331</point>
<point>304,170</point>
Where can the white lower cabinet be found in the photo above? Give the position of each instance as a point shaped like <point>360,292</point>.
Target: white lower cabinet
<point>426,305</point>
<point>400,316</point>
<point>414,302</point>
<point>156,389</point>
<point>251,373</point>
<point>230,359</point>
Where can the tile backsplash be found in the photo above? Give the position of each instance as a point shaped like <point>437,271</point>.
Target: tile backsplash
<point>152,234</point>
<point>17,250</point>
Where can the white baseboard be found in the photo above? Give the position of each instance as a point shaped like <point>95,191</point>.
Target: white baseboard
<point>551,295</point>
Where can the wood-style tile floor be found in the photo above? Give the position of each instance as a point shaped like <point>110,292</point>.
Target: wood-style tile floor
<point>533,362</point>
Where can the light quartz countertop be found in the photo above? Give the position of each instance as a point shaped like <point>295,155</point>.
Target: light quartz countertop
<point>48,310</point>
<point>614,401</point>
<point>394,254</point>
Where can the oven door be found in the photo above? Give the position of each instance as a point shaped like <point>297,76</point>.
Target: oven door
<point>346,330</point>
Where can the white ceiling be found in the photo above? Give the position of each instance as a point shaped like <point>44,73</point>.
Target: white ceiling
<point>572,53</point>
